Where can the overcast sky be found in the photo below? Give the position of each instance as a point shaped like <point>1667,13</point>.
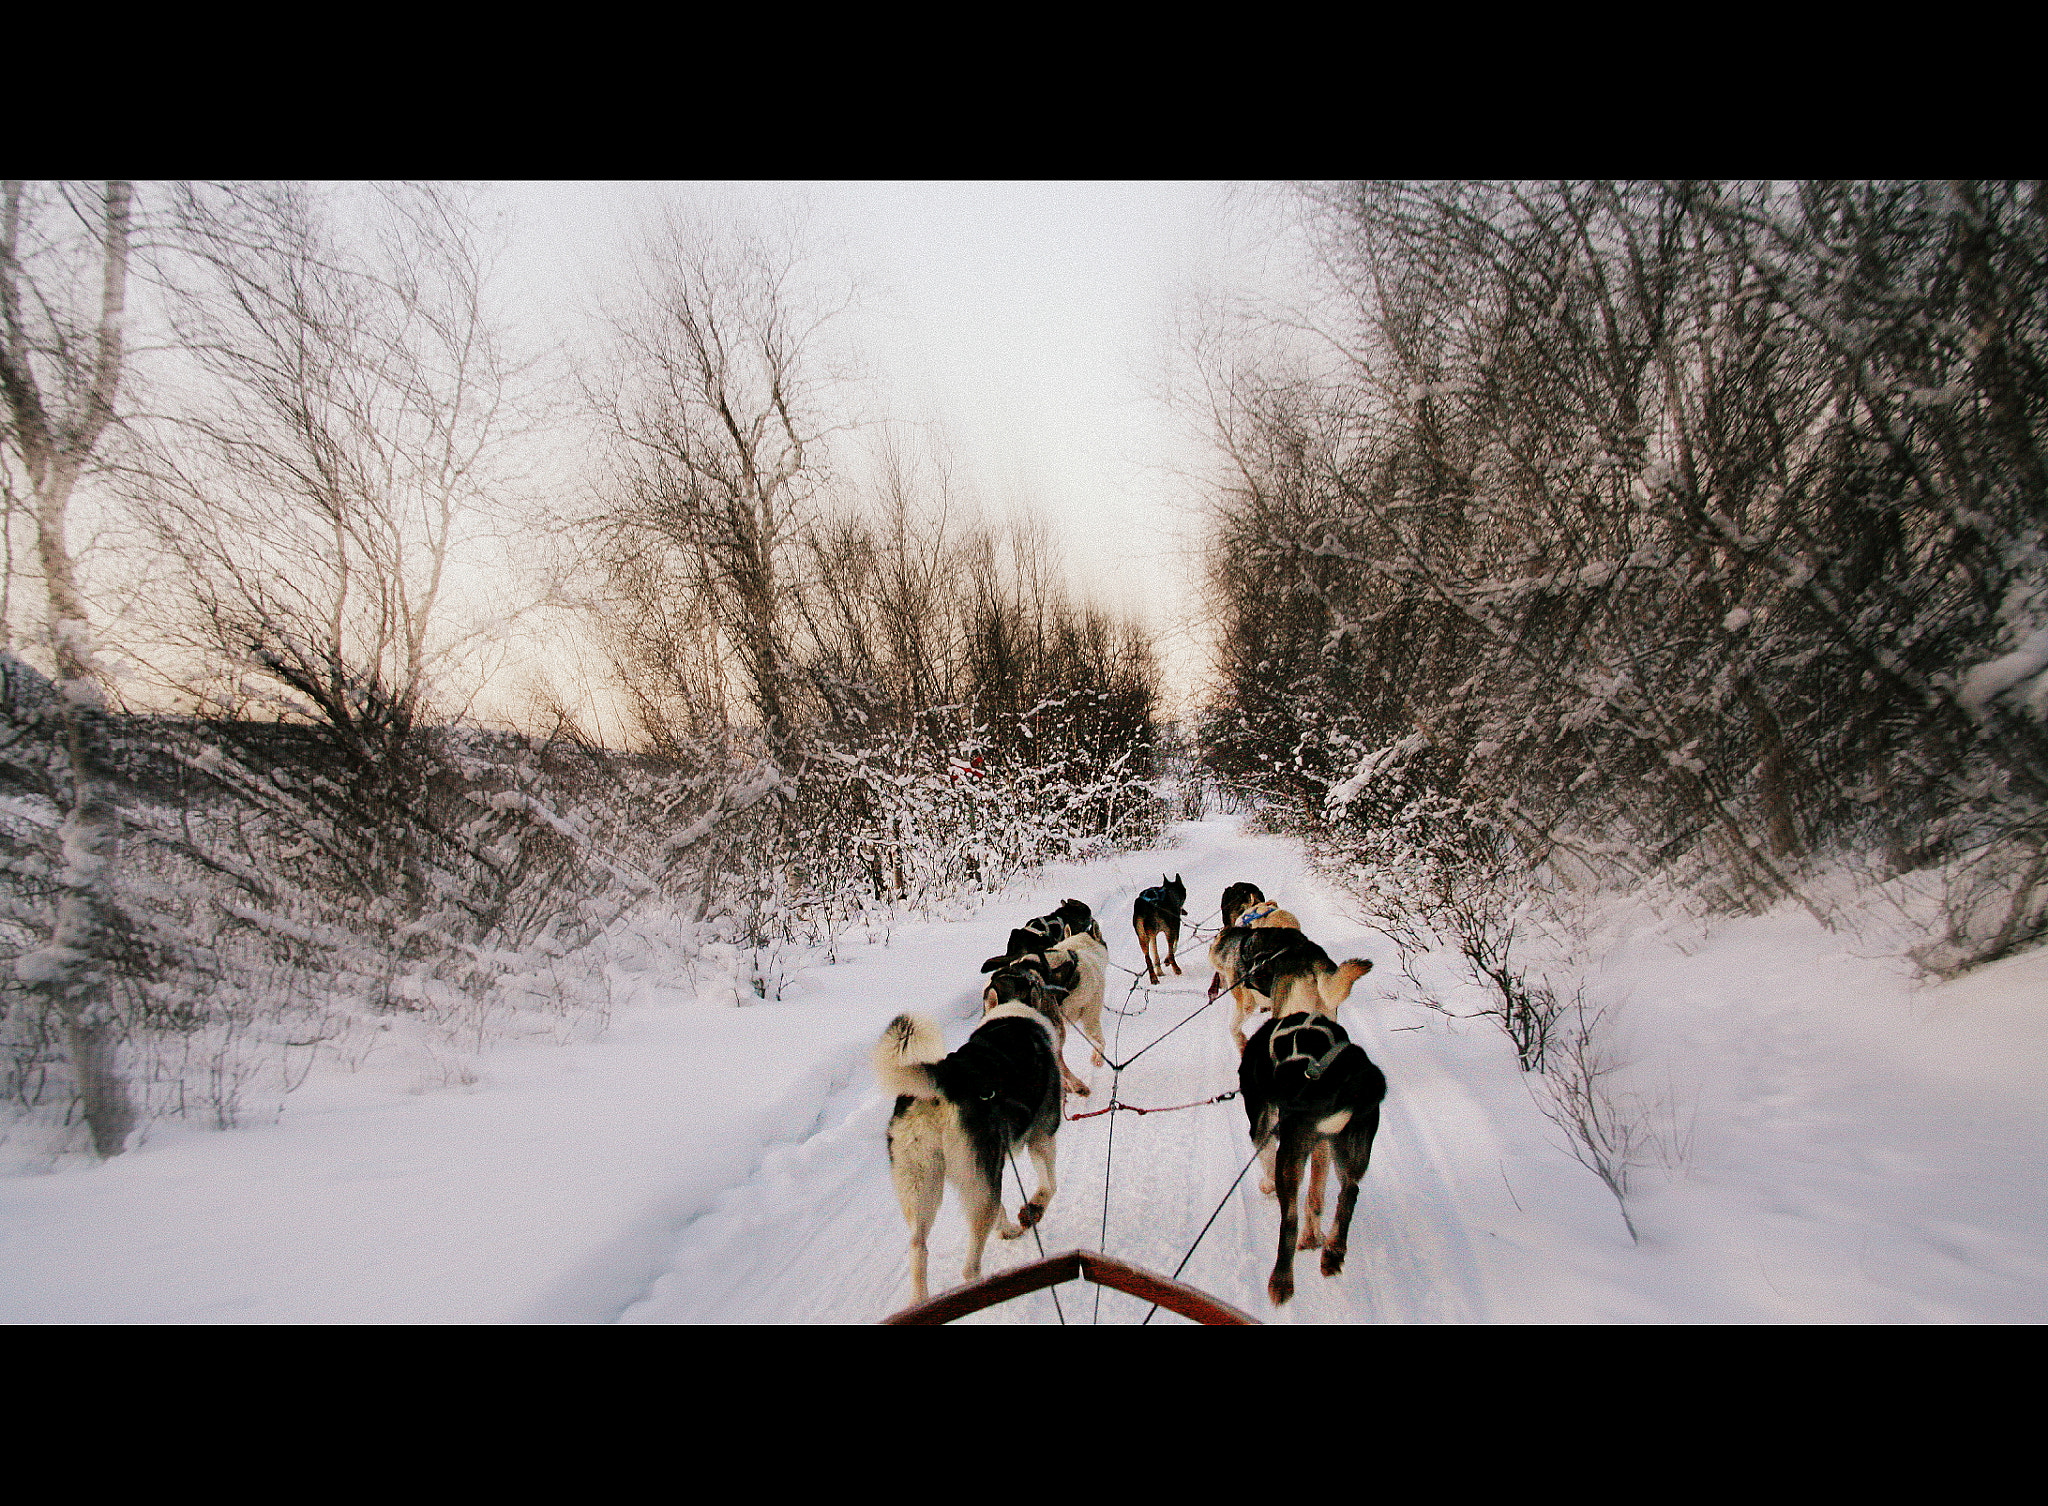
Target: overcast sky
<point>1029,322</point>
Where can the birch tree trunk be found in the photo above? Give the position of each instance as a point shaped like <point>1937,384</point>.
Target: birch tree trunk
<point>54,447</point>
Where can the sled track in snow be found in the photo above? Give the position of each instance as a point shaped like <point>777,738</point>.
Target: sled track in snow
<point>816,1236</point>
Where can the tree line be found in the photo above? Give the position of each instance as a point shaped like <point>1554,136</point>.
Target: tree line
<point>1599,531</point>
<point>244,807</point>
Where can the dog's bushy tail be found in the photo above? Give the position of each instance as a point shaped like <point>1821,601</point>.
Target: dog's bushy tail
<point>903,1054</point>
<point>1335,985</point>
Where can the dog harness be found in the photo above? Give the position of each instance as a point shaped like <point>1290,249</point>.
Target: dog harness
<point>1022,979</point>
<point>1300,1040</point>
<point>1158,898</point>
<point>1254,912</point>
<point>1263,951</point>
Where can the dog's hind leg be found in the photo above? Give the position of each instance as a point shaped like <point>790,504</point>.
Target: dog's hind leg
<point>920,1185</point>
<point>1090,1023</point>
<point>1295,1138</point>
<point>1043,1151</point>
<point>1247,1004</point>
<point>920,1232</point>
<point>983,1206</point>
<point>1172,941</point>
<point>1070,1081</point>
<point>1269,1172</point>
<point>1296,993</point>
<point>1145,947</point>
<point>1312,1195</point>
<point>1354,1154</point>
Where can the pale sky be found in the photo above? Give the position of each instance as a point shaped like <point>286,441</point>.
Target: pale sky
<point>1028,322</point>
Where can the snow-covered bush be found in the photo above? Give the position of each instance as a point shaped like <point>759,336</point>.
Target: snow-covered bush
<point>292,889</point>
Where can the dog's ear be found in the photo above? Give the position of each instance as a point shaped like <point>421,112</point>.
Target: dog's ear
<point>993,963</point>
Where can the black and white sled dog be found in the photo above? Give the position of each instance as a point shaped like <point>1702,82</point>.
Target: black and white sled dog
<point>1044,981</point>
<point>1280,969</point>
<point>960,1117</point>
<point>1085,953</point>
<point>1070,919</point>
<point>1074,970</point>
<point>1310,1092</point>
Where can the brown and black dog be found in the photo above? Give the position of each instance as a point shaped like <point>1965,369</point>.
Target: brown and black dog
<point>1278,969</point>
<point>1157,914</point>
<point>1236,898</point>
<point>1247,905</point>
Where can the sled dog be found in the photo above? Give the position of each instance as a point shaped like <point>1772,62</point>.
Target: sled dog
<point>1279,969</point>
<point>1247,905</point>
<point>1236,898</point>
<point>1045,982</point>
<point>1156,914</point>
<point>1310,1092</point>
<point>1083,1003</point>
<point>960,1117</point>
<point>1070,919</point>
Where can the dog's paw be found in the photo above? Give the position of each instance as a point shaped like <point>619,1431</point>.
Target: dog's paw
<point>1280,1288</point>
<point>1267,1187</point>
<point>1078,1089</point>
<point>1311,1239</point>
<point>1028,1215</point>
<point>1333,1259</point>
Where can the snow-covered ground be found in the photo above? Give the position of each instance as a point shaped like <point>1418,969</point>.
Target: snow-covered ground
<point>1842,1147</point>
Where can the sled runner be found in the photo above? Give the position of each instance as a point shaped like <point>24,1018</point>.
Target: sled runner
<point>1147,1286</point>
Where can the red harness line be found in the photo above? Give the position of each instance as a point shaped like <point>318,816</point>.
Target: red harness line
<point>1132,1108</point>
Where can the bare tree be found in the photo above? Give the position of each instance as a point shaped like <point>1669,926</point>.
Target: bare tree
<point>715,394</point>
<point>342,450</point>
<point>335,454</point>
<point>1644,526</point>
<point>60,375</point>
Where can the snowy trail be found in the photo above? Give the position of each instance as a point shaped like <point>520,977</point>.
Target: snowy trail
<point>1857,1149</point>
<point>817,1237</point>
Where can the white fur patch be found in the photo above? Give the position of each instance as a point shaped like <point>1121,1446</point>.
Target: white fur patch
<point>900,1057</point>
<point>1330,1124</point>
<point>918,1136</point>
